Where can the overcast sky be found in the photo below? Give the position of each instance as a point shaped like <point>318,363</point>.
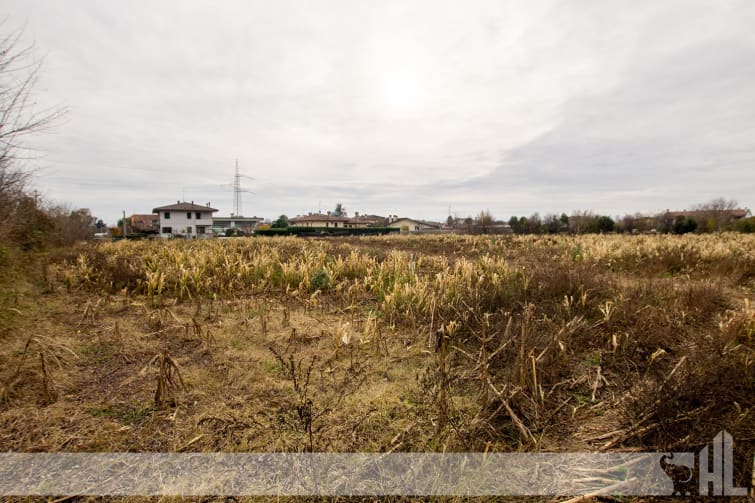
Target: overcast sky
<point>396,107</point>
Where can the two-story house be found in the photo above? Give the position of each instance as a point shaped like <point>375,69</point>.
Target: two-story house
<point>185,219</point>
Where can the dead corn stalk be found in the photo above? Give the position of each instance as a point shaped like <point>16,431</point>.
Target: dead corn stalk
<point>168,378</point>
<point>50,393</point>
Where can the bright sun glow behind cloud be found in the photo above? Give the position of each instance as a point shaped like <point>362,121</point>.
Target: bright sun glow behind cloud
<point>402,92</point>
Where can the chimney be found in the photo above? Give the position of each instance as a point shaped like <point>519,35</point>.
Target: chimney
<point>178,202</point>
<point>356,214</point>
<point>328,212</point>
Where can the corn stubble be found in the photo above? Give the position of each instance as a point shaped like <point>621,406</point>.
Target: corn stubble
<point>415,342</point>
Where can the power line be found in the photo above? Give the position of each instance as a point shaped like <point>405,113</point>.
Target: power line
<point>237,190</point>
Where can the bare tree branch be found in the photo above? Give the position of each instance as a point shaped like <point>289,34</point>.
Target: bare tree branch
<point>19,117</point>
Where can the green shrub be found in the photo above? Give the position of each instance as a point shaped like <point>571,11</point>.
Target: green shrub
<point>746,225</point>
<point>319,280</point>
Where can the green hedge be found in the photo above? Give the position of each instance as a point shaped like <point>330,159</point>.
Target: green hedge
<point>326,231</point>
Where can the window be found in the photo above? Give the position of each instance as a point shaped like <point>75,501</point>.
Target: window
<point>198,215</point>
<point>166,215</point>
<point>201,229</point>
<point>188,230</point>
<point>167,230</point>
<point>188,215</point>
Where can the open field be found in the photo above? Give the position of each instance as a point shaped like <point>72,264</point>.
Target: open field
<point>574,343</point>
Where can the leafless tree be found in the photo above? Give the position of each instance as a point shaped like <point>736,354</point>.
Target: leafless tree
<point>716,213</point>
<point>19,117</point>
<point>485,221</point>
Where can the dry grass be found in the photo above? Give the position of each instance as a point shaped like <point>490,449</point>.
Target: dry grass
<point>545,343</point>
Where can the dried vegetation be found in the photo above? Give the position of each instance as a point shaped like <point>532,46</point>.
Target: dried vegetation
<point>385,344</point>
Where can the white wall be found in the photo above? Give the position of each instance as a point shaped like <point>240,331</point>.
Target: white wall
<point>180,225</point>
<point>412,224</point>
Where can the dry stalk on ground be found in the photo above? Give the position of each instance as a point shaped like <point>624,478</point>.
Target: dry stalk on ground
<point>168,378</point>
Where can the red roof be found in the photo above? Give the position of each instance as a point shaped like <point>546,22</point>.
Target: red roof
<point>735,213</point>
<point>319,218</point>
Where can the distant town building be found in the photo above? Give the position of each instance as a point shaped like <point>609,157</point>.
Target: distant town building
<point>411,224</point>
<point>734,214</point>
<point>337,219</point>
<point>319,220</point>
<point>185,220</point>
<point>707,220</point>
<point>245,225</point>
<point>144,224</point>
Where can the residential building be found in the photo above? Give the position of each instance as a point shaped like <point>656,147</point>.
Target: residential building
<point>185,220</point>
<point>246,225</point>
<point>707,219</point>
<point>412,225</point>
<point>734,214</point>
<point>367,220</point>
<point>319,220</point>
<point>331,219</point>
<point>144,224</point>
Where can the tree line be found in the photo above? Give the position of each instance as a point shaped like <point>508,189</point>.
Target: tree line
<point>714,216</point>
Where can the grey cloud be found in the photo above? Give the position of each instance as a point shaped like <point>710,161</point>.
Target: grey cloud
<point>616,106</point>
<point>678,123</point>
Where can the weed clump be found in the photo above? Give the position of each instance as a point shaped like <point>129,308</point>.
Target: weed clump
<point>319,280</point>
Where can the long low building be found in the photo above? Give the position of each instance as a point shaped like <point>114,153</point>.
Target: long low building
<point>412,225</point>
<point>244,224</point>
<point>329,220</point>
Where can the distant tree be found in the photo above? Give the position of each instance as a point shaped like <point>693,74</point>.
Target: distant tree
<point>580,222</point>
<point>746,225</point>
<point>518,225</point>
<point>588,222</point>
<point>552,224</point>
<point>716,214</point>
<point>281,222</point>
<point>32,229</point>
<point>604,224</point>
<point>683,225</point>
<point>485,221</point>
<point>717,204</point>
<point>469,224</point>
<point>564,219</point>
<point>450,221</point>
<point>534,224</point>
<point>128,225</point>
<point>70,225</point>
<point>626,224</point>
